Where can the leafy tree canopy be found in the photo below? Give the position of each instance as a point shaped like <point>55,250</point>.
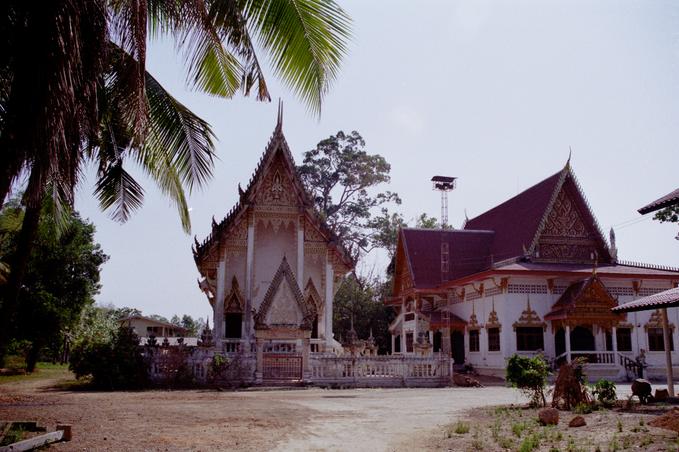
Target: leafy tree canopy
<point>362,298</point>
<point>668,215</point>
<point>61,279</point>
<point>341,176</point>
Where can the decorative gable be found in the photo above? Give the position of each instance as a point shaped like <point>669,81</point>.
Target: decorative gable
<point>655,321</point>
<point>284,305</point>
<point>234,301</point>
<point>529,318</point>
<point>585,302</point>
<point>569,232</point>
<point>277,188</point>
<point>312,295</point>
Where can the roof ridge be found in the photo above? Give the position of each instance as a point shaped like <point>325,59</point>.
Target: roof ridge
<point>407,228</point>
<point>647,266</point>
<point>550,205</point>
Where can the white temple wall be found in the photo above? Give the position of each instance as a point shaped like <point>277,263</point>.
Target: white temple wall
<point>510,306</point>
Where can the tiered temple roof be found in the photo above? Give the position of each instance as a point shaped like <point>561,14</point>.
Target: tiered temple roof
<point>277,145</point>
<point>547,229</point>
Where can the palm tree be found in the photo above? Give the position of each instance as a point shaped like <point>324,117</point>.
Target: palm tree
<point>74,89</point>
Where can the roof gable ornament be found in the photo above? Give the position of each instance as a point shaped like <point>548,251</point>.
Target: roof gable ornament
<point>279,118</point>
<point>493,320</point>
<point>234,301</point>
<point>529,318</point>
<point>655,321</point>
<point>284,273</point>
<point>568,216</point>
<point>310,293</point>
<point>473,323</point>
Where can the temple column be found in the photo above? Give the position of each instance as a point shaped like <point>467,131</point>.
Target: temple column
<point>614,340</point>
<point>329,278</point>
<point>300,253</point>
<point>445,341</point>
<point>568,343</point>
<point>306,365</point>
<point>219,303</point>
<point>259,373</point>
<point>249,275</point>
<point>668,351</point>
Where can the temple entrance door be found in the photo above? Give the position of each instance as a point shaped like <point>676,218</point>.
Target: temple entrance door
<point>457,346</point>
<point>282,361</point>
<point>560,342</point>
<point>582,339</point>
<point>437,341</point>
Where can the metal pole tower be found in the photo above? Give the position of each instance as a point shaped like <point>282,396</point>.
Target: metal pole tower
<point>444,184</point>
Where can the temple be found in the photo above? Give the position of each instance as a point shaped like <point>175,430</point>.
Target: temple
<point>270,270</point>
<point>534,274</point>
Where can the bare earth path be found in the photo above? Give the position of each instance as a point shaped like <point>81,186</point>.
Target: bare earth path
<point>305,419</point>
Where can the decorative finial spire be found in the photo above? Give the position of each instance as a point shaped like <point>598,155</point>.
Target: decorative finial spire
<point>614,248</point>
<point>570,153</point>
<point>279,122</point>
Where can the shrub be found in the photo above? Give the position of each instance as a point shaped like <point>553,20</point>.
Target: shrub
<point>530,376</point>
<point>461,428</point>
<point>604,390</point>
<point>117,364</point>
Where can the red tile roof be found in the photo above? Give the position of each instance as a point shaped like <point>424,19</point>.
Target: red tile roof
<point>516,221</point>
<point>469,252</point>
<point>501,237</point>
<point>666,299</point>
<point>668,200</point>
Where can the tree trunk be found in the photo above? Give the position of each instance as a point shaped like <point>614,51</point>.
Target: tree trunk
<point>18,269</point>
<point>32,357</point>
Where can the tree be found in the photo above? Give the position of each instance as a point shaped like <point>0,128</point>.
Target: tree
<point>530,376</point>
<point>426,222</point>
<point>192,326</point>
<point>125,312</point>
<point>93,100</point>
<point>115,364</point>
<point>159,318</point>
<point>668,214</point>
<point>361,299</point>
<point>339,174</point>
<point>62,278</point>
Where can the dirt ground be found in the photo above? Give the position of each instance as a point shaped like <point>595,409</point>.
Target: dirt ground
<point>302,419</point>
<point>517,429</point>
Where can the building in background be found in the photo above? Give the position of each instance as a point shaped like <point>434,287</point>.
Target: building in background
<point>533,275</point>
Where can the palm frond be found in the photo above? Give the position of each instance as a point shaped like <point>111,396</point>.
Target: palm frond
<point>306,40</point>
<point>178,136</point>
<point>116,189</point>
<point>163,172</point>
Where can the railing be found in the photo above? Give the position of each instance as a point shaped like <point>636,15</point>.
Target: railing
<point>316,345</point>
<point>232,345</point>
<point>380,368</point>
<point>593,357</point>
<point>601,359</point>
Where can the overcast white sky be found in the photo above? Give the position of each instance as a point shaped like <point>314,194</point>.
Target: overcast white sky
<point>491,92</point>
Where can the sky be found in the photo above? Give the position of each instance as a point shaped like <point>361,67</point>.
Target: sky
<point>494,93</point>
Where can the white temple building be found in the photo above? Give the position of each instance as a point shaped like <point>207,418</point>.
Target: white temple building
<point>270,270</point>
<point>533,275</point>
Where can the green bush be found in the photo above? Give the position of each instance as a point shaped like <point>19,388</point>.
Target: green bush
<point>118,364</point>
<point>604,390</point>
<point>530,376</point>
